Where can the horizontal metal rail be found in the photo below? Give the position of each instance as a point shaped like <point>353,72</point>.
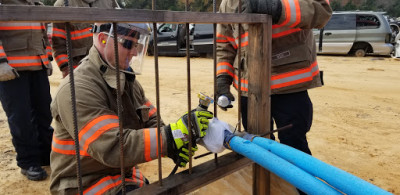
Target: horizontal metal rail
<point>202,175</point>
<point>12,13</point>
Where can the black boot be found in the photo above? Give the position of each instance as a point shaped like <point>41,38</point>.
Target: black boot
<point>35,173</point>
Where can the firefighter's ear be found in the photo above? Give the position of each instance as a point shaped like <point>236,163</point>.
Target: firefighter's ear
<point>102,39</point>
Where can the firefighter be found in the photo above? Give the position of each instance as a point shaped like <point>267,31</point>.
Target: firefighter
<point>294,65</point>
<point>95,84</point>
<point>81,35</point>
<point>25,91</point>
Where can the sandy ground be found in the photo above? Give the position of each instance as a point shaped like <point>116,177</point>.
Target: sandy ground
<point>355,128</point>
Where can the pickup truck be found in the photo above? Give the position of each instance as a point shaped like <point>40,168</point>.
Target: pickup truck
<point>171,40</point>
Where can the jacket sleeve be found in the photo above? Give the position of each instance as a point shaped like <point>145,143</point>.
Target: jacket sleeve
<point>226,45</point>
<point>98,128</point>
<point>305,14</point>
<point>59,45</point>
<point>3,56</point>
<point>47,43</point>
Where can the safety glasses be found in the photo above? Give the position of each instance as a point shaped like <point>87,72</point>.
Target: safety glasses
<point>128,44</point>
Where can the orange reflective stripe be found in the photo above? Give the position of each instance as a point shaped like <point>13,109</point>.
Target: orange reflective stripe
<point>24,61</point>
<point>21,26</point>
<point>66,147</point>
<point>276,35</point>
<point>61,59</point>
<point>153,109</point>
<point>57,32</point>
<point>147,143</point>
<point>328,2</point>
<point>80,34</point>
<point>225,67</point>
<point>2,52</point>
<point>298,14</point>
<point>150,137</point>
<point>293,18</point>
<point>105,184</point>
<point>294,77</point>
<point>95,128</point>
<point>137,177</point>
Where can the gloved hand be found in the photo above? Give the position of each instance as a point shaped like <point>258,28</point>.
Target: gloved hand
<point>229,135</point>
<point>224,88</point>
<point>178,135</point>
<point>49,69</point>
<point>7,72</point>
<point>270,7</point>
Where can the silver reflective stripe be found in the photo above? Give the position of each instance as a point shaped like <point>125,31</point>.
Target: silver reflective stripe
<point>17,24</point>
<point>24,61</point>
<point>100,186</point>
<point>81,33</point>
<point>153,143</point>
<point>290,11</point>
<point>137,175</point>
<point>295,77</point>
<point>63,147</point>
<point>62,58</point>
<point>244,85</point>
<point>225,67</point>
<point>94,129</point>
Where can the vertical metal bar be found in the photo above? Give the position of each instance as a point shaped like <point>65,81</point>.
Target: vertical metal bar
<point>215,69</point>
<point>240,73</point>
<point>157,96</point>
<point>188,88</point>
<point>119,108</point>
<point>73,101</point>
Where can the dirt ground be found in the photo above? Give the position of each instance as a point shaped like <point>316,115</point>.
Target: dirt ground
<point>355,128</point>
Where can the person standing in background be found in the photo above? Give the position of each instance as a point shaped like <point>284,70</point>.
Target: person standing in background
<point>25,91</point>
<point>81,35</point>
<point>294,61</point>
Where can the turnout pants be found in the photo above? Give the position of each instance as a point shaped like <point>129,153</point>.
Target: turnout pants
<point>26,102</point>
<point>293,108</point>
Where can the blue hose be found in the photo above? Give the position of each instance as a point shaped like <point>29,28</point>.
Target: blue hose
<point>287,171</point>
<point>341,180</point>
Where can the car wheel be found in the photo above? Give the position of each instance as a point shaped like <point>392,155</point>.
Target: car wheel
<point>360,53</point>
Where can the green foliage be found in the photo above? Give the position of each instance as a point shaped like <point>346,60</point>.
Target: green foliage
<point>48,2</point>
<point>172,5</point>
<point>392,8</point>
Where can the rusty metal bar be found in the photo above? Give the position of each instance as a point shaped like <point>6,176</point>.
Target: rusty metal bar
<point>215,68</point>
<point>119,108</point>
<point>189,96</point>
<point>12,13</point>
<point>239,73</point>
<point>155,41</point>
<point>202,175</point>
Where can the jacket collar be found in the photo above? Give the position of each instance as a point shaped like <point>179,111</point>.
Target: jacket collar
<point>109,74</point>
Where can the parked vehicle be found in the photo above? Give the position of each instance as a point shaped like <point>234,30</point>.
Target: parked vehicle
<point>171,40</point>
<point>356,33</point>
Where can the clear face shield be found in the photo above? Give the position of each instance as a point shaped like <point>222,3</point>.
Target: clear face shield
<point>133,39</point>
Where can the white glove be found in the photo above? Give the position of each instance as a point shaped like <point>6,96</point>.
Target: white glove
<point>49,69</point>
<point>7,72</point>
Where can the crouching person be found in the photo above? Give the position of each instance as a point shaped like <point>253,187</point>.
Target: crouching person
<point>98,121</point>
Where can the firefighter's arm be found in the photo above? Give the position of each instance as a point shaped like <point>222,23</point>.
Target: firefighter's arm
<point>226,55</point>
<point>305,14</point>
<point>6,71</point>
<point>59,45</point>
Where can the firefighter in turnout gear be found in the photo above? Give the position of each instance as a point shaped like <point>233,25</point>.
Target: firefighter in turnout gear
<point>98,126</point>
<point>25,91</point>
<point>81,35</point>
<point>294,64</point>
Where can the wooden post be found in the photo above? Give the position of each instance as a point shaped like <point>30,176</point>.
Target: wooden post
<point>259,112</point>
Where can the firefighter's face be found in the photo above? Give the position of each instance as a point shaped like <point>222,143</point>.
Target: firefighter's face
<point>127,48</point>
